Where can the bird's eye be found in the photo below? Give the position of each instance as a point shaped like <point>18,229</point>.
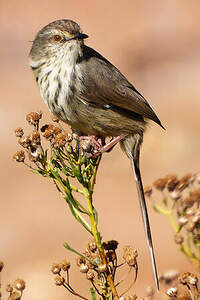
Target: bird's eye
<point>57,38</point>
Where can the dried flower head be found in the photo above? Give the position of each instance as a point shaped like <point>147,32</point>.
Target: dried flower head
<point>25,142</point>
<point>55,268</point>
<point>15,296</point>
<point>80,260</point>
<point>60,140</point>
<point>65,265</point>
<point>148,191</point>
<point>9,288</point>
<point>19,132</point>
<point>160,184</point>
<point>185,181</point>
<point>132,297</point>
<point>172,292</point>
<point>92,246</point>
<point>59,280</point>
<point>84,268</point>
<point>178,238</point>
<point>19,284</point>
<point>188,278</point>
<point>175,195</point>
<point>172,182</point>
<point>90,275</point>
<point>19,156</point>
<point>130,256</point>
<point>34,155</point>
<point>110,245</point>
<point>35,138</point>
<point>33,118</point>
<point>102,268</point>
<point>111,255</point>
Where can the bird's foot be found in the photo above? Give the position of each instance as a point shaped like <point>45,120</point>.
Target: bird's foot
<point>94,146</point>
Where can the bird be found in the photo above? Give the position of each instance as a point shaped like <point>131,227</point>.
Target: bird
<point>86,91</point>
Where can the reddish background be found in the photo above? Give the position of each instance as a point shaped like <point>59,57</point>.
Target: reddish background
<point>156,45</point>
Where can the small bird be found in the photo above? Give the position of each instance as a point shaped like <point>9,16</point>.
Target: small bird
<point>83,89</point>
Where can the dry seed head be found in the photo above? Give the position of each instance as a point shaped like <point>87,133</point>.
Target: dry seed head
<point>175,195</point>
<point>160,184</point>
<point>178,238</point>
<point>188,278</point>
<point>15,296</point>
<point>19,284</point>
<point>189,201</point>
<point>130,256</point>
<point>60,141</point>
<point>55,268</point>
<point>65,265</point>
<point>59,280</point>
<point>55,119</point>
<point>9,288</point>
<point>148,191</point>
<point>33,118</point>
<point>83,268</point>
<point>19,156</point>
<point>110,245</point>
<point>34,155</point>
<point>111,255</point>
<point>172,292</point>
<point>172,182</point>
<point>183,220</point>
<point>19,132</point>
<point>25,141</point>
<point>132,297</point>
<point>102,268</point>
<point>185,181</point>
<point>90,275</point>
<point>80,260</point>
<point>92,246</point>
<point>35,138</point>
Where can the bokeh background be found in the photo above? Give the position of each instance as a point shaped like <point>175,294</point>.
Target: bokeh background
<point>156,44</point>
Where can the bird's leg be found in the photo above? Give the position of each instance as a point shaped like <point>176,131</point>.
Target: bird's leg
<point>94,145</point>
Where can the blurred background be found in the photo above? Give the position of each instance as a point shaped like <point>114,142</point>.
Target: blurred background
<point>156,45</point>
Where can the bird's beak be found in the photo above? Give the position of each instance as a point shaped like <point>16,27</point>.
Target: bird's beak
<point>81,36</point>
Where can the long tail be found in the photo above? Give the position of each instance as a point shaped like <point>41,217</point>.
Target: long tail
<point>131,145</point>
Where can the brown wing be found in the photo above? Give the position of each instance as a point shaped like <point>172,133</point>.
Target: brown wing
<point>105,85</point>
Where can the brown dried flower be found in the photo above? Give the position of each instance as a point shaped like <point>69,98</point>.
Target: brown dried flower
<point>102,268</point>
<point>60,140</point>
<point>35,138</point>
<point>65,265</point>
<point>34,155</point>
<point>9,288</point>
<point>92,246</point>
<point>19,284</point>
<point>84,268</point>
<point>24,141</point>
<point>188,278</point>
<point>80,260</point>
<point>172,182</point>
<point>55,268</point>
<point>33,118</point>
<point>185,181</point>
<point>172,292</point>
<point>130,256</point>
<point>111,255</point>
<point>160,184</point>
<point>15,296</point>
<point>59,280</point>
<point>110,245</point>
<point>19,156</point>
<point>19,132</point>
<point>90,275</point>
<point>178,238</point>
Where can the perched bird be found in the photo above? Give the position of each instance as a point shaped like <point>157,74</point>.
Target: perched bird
<point>86,91</point>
